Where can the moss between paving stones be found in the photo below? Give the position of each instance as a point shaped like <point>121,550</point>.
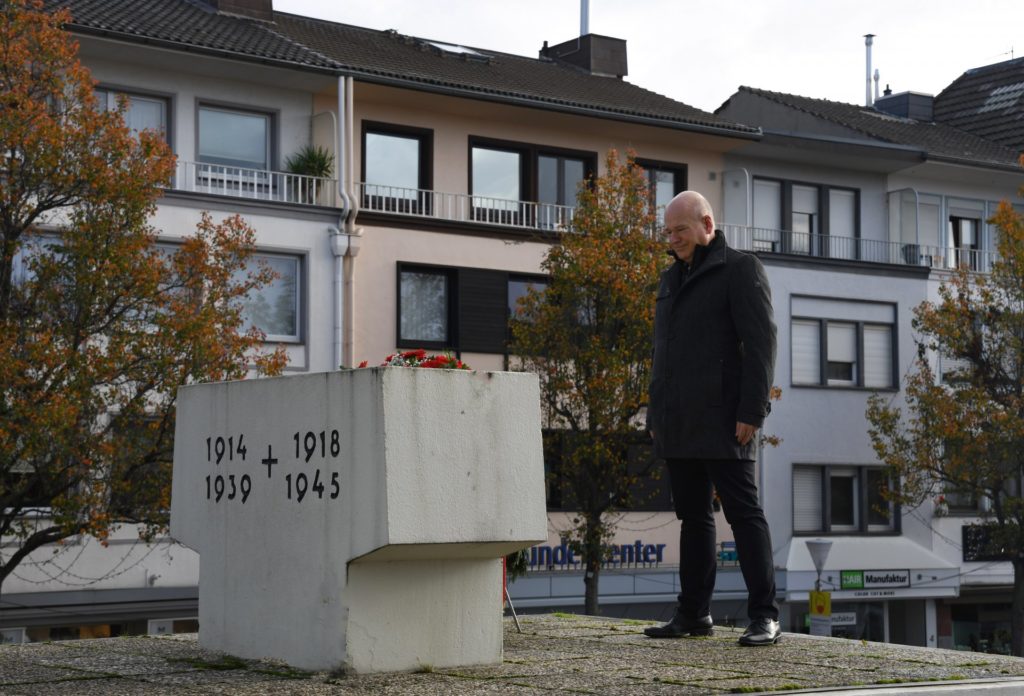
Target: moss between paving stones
<point>560,653</point>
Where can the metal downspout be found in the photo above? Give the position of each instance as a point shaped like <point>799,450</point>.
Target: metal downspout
<point>340,236</point>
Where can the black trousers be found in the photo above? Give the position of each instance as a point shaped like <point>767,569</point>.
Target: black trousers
<point>692,481</point>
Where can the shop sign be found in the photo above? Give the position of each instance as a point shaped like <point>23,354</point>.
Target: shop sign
<point>844,618</point>
<point>873,579</point>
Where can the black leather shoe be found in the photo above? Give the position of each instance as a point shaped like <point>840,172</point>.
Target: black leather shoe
<point>681,627</point>
<point>762,632</point>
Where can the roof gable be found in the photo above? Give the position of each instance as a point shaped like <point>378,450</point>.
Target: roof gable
<point>938,140</point>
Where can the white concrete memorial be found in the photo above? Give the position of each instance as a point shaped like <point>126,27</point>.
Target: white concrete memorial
<point>355,520</point>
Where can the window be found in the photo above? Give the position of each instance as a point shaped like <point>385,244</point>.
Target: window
<point>397,162</point>
<point>964,236</point>
<point>665,179</point>
<point>558,180</point>
<point>234,139</point>
<point>424,315</point>
<point>519,286</point>
<point>275,308</point>
<point>854,347</point>
<point>820,220</point>
<point>504,175</point>
<point>841,500</point>
<point>461,309</point>
<point>142,113</point>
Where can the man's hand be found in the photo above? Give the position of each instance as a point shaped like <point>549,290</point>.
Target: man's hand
<point>744,432</point>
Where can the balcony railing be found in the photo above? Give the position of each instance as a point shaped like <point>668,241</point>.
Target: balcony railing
<point>460,207</point>
<point>851,248</point>
<point>257,184</point>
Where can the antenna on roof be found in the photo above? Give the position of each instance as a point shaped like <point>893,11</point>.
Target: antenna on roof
<point>584,17</point>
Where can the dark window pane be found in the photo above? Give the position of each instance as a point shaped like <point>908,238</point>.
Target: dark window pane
<point>518,288</point>
<point>878,507</point>
<point>844,500</point>
<point>424,307</point>
<point>547,179</point>
<point>574,173</point>
<point>842,371</point>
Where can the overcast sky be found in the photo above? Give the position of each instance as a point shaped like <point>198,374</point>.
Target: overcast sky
<point>700,52</point>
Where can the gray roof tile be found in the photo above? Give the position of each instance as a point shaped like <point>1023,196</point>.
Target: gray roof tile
<point>939,140</point>
<point>987,101</point>
<point>386,56</point>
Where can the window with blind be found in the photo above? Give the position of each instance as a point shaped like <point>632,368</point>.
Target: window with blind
<point>842,500</point>
<point>456,308</point>
<point>841,343</point>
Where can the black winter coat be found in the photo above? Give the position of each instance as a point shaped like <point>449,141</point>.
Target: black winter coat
<point>714,355</point>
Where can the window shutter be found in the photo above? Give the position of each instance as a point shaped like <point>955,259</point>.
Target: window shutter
<point>483,310</point>
<point>807,508</point>
<point>878,356</point>
<point>806,351</point>
<point>842,343</point>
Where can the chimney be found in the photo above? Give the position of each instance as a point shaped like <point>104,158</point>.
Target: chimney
<point>598,55</point>
<point>868,40</point>
<point>254,9</point>
<point>913,105</point>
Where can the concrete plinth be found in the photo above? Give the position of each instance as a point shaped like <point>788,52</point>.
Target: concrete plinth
<point>356,520</point>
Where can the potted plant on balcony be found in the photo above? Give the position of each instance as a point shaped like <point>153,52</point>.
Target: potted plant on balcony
<point>310,161</point>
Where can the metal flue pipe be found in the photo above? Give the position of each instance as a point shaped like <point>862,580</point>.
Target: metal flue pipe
<point>868,40</point>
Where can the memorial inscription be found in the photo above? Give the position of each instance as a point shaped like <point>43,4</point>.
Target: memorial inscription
<point>300,486</point>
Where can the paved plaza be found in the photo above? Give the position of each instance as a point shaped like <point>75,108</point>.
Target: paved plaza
<point>555,654</point>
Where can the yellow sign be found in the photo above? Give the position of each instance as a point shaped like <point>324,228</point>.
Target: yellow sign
<point>821,603</point>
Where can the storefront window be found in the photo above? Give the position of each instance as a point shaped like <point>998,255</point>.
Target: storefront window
<point>859,620</point>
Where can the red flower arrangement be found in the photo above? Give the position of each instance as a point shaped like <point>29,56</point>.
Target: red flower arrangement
<point>419,358</point>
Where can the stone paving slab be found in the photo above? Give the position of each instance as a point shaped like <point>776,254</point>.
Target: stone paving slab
<point>556,654</point>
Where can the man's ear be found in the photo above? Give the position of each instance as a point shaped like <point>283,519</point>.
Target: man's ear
<point>709,225</point>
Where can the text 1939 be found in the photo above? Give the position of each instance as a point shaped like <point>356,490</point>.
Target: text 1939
<point>218,487</point>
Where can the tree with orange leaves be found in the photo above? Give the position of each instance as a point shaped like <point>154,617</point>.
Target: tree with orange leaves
<point>98,325</point>
<point>587,335</point>
<point>965,431</point>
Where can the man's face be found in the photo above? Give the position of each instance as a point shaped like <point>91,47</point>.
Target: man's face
<point>684,230</point>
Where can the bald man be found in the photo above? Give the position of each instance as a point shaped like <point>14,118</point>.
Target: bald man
<point>714,356</point>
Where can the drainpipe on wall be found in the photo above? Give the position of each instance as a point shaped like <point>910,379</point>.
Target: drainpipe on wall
<point>343,236</point>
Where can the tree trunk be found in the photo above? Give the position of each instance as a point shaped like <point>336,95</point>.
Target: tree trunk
<point>592,555</point>
<point>1017,608</point>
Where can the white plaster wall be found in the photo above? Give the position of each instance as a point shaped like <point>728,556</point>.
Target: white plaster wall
<point>454,120</point>
<point>827,425</point>
<point>292,108</point>
<point>279,231</point>
<point>873,221</point>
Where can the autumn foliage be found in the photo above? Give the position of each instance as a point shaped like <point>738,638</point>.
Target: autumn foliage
<point>587,335</point>
<point>964,433</point>
<point>98,325</point>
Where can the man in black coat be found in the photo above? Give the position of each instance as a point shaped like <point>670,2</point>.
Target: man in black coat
<point>714,356</point>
